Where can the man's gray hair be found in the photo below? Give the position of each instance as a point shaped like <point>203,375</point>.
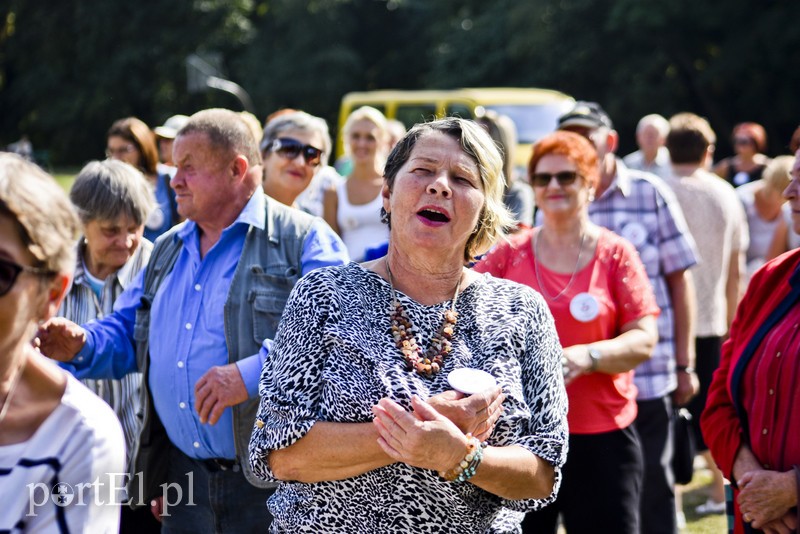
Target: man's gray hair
<point>104,190</point>
<point>298,121</point>
<point>656,121</point>
<point>226,130</point>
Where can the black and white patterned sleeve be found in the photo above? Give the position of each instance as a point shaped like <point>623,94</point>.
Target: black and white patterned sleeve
<point>290,381</point>
<point>545,431</point>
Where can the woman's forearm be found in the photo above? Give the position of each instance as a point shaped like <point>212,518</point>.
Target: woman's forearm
<point>330,451</point>
<point>515,473</point>
<point>745,461</point>
<point>626,351</point>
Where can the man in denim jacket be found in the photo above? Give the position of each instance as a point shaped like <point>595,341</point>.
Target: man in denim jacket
<point>193,323</point>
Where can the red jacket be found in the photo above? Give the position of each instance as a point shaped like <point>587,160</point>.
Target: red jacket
<point>720,423</point>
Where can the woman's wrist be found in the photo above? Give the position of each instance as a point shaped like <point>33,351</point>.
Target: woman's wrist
<point>466,467</point>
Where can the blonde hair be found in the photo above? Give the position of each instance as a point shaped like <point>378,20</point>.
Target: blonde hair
<point>370,114</point>
<point>778,173</point>
<point>253,123</point>
<point>494,218</point>
<point>46,218</point>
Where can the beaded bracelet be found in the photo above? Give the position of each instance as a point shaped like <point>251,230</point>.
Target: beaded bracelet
<point>466,468</point>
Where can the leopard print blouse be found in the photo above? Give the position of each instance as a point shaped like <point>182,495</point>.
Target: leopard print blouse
<point>334,358</point>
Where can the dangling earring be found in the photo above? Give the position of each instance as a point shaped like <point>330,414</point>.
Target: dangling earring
<point>386,217</point>
<point>591,195</point>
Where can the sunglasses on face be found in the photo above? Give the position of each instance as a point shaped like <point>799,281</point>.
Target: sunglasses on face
<point>542,179</point>
<point>742,141</point>
<point>289,148</point>
<point>9,271</point>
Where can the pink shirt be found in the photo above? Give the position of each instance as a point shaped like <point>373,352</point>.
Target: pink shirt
<point>614,283</point>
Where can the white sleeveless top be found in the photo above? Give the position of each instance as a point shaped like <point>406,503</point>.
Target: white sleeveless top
<point>360,226</point>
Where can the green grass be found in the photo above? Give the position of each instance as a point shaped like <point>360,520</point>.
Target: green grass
<point>695,494</point>
<point>65,177</point>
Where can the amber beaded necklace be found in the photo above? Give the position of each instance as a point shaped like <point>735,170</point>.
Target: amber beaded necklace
<point>404,334</point>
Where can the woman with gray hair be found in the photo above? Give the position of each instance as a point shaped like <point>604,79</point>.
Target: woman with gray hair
<point>370,427</point>
<point>61,448</point>
<point>113,201</point>
<point>295,149</point>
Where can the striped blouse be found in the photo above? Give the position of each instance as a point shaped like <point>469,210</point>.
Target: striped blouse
<point>81,305</point>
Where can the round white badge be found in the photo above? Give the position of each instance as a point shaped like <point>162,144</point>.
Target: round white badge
<point>584,307</point>
<point>156,219</point>
<point>636,233</point>
<point>469,381</point>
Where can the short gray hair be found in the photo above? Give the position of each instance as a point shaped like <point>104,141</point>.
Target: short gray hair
<point>656,121</point>
<point>104,190</point>
<point>44,215</point>
<point>226,130</point>
<point>298,121</point>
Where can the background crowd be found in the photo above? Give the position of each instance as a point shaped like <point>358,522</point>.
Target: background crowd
<point>189,305</point>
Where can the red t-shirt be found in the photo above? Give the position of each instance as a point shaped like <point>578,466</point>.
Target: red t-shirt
<point>611,290</point>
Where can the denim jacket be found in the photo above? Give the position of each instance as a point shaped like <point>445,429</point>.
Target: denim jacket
<point>269,267</point>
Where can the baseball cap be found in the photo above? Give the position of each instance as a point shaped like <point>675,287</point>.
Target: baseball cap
<point>586,114</point>
<point>170,128</point>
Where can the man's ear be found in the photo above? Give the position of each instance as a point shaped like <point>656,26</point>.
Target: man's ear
<point>239,167</point>
<point>612,141</point>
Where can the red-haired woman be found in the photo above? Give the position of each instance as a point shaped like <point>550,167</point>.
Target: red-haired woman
<point>131,140</point>
<point>749,143</point>
<point>605,312</point>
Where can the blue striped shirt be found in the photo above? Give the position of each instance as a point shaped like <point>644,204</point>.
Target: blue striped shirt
<point>187,334</point>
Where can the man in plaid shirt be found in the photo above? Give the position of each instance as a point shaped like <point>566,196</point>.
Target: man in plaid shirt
<point>642,208</point>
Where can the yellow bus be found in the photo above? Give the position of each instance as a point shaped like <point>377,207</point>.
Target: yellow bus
<point>534,111</point>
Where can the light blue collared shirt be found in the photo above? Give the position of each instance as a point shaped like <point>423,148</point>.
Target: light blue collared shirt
<point>187,335</point>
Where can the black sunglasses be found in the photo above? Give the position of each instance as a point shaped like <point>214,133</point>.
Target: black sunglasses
<point>290,148</point>
<point>542,179</point>
<point>9,271</point>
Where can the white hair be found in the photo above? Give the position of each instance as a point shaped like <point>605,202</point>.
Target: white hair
<point>656,121</point>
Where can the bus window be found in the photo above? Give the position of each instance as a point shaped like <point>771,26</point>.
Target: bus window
<point>459,110</point>
<point>411,114</point>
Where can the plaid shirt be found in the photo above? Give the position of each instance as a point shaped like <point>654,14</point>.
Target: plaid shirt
<point>641,207</point>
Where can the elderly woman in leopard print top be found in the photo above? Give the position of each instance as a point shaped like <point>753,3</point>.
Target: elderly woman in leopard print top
<point>358,423</point>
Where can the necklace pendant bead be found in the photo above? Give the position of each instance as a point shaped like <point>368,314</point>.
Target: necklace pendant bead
<point>403,332</point>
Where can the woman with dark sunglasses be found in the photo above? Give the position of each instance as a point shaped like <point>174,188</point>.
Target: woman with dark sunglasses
<point>748,163</point>
<point>605,312</point>
<point>295,148</point>
<point>62,452</point>
<point>353,208</point>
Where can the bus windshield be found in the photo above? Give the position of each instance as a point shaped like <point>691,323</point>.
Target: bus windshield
<point>533,121</point>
